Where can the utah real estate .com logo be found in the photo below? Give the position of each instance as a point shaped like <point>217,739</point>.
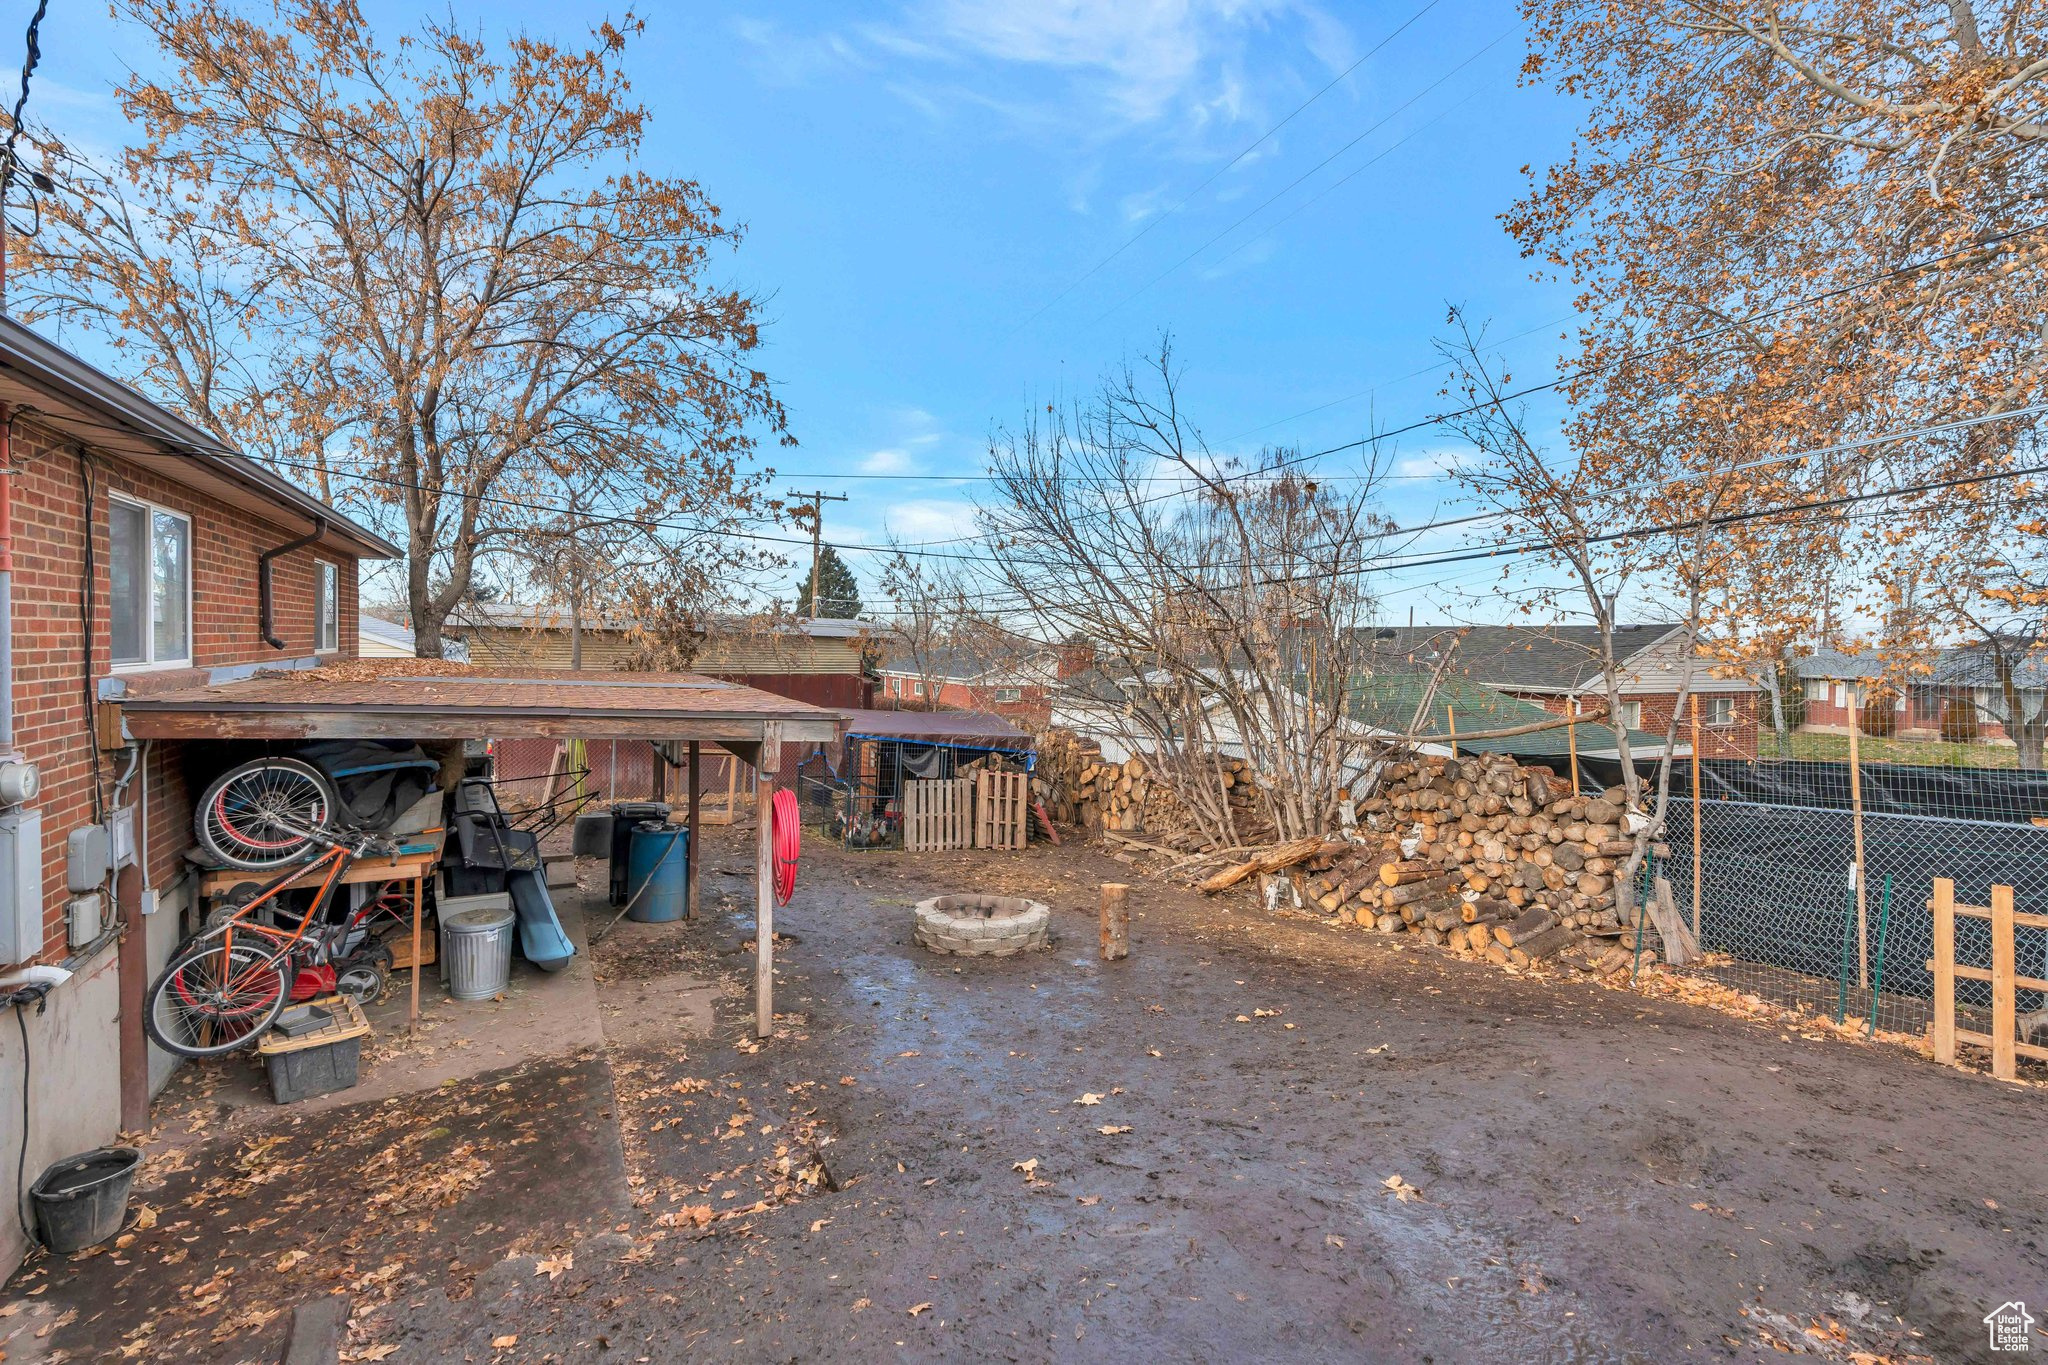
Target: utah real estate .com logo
<point>2010,1326</point>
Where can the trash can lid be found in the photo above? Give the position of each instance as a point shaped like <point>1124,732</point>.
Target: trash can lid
<point>481,920</point>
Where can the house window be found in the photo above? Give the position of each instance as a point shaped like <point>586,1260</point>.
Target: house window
<point>326,606</point>
<point>1717,710</point>
<point>917,689</point>
<point>1631,714</point>
<point>150,572</point>
<point>1009,694</point>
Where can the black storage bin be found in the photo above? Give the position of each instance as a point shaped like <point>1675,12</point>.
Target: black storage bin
<point>625,815</point>
<point>311,1071</point>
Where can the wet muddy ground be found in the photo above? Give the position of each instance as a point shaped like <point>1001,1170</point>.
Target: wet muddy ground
<point>1182,1156</point>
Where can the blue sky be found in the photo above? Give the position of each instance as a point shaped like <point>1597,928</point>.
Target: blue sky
<point>926,182</point>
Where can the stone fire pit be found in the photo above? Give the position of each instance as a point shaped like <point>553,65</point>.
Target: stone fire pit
<point>981,926</point>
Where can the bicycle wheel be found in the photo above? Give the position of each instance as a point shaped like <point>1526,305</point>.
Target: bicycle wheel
<point>265,814</point>
<point>214,998</point>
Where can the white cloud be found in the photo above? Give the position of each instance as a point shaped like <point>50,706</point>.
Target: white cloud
<point>887,462</point>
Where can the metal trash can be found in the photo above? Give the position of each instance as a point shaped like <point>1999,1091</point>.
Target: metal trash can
<point>476,946</point>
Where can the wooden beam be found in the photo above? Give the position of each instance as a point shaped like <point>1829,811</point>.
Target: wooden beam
<point>1944,970</point>
<point>764,882</point>
<point>696,853</point>
<point>2004,1016</point>
<point>372,723</point>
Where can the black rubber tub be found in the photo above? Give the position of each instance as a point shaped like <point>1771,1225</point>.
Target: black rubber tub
<point>83,1199</point>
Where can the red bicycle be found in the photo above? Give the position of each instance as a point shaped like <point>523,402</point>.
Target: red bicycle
<point>226,985</point>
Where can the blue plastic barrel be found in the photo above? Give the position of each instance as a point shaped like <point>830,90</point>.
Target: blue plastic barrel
<point>657,866</point>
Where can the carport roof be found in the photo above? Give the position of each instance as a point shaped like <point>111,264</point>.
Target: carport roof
<point>433,699</point>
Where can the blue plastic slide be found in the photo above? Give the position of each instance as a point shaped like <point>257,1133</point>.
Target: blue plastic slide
<point>541,940</point>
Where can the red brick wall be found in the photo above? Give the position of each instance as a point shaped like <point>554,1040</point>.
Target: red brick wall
<point>1031,711</point>
<point>1735,740</point>
<point>52,726</point>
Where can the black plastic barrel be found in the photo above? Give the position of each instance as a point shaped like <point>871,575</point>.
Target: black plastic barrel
<point>82,1199</point>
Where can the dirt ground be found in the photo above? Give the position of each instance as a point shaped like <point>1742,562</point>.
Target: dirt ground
<point>1182,1156</point>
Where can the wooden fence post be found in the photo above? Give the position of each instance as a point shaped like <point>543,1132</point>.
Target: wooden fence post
<point>1856,824</point>
<point>1571,735</point>
<point>2004,1021</point>
<point>1696,856</point>
<point>1116,921</point>
<point>1944,970</point>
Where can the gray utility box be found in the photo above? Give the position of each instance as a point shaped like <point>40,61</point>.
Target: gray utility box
<point>21,885</point>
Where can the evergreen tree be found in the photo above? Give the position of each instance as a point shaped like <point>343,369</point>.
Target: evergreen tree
<point>838,589</point>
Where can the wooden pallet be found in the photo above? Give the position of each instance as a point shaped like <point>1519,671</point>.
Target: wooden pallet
<point>938,814</point>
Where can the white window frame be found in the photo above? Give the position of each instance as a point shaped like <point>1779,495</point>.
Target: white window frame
<point>1009,694</point>
<point>149,661</point>
<point>323,599</point>
<point>1714,704</point>
<point>1632,715</point>
<point>917,689</point>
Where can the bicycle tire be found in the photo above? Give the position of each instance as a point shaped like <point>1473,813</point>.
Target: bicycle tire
<point>251,816</point>
<point>267,990</point>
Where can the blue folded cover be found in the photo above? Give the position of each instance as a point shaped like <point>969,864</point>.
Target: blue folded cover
<point>541,940</point>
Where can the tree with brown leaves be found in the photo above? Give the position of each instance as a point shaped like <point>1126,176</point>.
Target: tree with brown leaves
<point>428,277</point>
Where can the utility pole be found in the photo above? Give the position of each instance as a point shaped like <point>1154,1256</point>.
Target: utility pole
<point>816,502</point>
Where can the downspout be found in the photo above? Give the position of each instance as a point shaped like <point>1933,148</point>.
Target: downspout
<point>265,604</point>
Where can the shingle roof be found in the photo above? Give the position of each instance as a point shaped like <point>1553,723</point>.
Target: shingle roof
<point>1388,700</point>
<point>1539,658</point>
<point>1971,665</point>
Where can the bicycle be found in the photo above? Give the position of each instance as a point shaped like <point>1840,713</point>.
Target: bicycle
<point>226,985</point>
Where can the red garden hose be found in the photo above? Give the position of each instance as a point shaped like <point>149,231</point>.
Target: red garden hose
<point>788,841</point>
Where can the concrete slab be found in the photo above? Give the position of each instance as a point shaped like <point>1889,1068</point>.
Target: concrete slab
<point>541,1014</point>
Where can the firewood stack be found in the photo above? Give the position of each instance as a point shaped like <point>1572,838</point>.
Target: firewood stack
<point>1080,787</point>
<point>1480,855</point>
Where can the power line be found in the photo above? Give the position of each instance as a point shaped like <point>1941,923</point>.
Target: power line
<point>1584,372</point>
<point>1248,149</point>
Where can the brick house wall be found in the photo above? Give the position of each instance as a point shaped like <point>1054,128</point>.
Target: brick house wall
<point>52,722</point>
<point>1032,710</point>
<point>1831,705</point>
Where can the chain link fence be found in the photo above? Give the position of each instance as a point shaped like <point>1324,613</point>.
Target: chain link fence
<point>1778,910</point>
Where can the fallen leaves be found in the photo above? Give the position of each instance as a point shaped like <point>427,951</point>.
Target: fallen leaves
<point>1112,1129</point>
<point>917,1308</point>
<point>1029,1166</point>
<point>1089,1097</point>
<point>553,1266</point>
<point>506,1342</point>
<point>291,1258</point>
<point>1401,1190</point>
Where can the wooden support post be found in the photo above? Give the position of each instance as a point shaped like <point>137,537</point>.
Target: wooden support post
<point>419,900</point>
<point>1944,964</point>
<point>660,771</point>
<point>764,881</point>
<point>1116,921</point>
<point>1696,853</point>
<point>696,853</point>
<point>1451,720</point>
<point>2004,1018</point>
<point>132,978</point>
<point>1856,824</point>
<point>1571,735</point>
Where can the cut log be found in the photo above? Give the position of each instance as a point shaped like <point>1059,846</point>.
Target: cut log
<point>1406,871</point>
<point>1541,946</point>
<point>1529,925</point>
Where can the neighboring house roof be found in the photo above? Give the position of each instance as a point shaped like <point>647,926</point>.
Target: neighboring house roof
<point>1022,666</point>
<point>1971,665</point>
<point>386,632</point>
<point>537,616</point>
<point>62,391</point>
<point>958,729</point>
<point>1388,701</point>
<point>1548,659</point>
